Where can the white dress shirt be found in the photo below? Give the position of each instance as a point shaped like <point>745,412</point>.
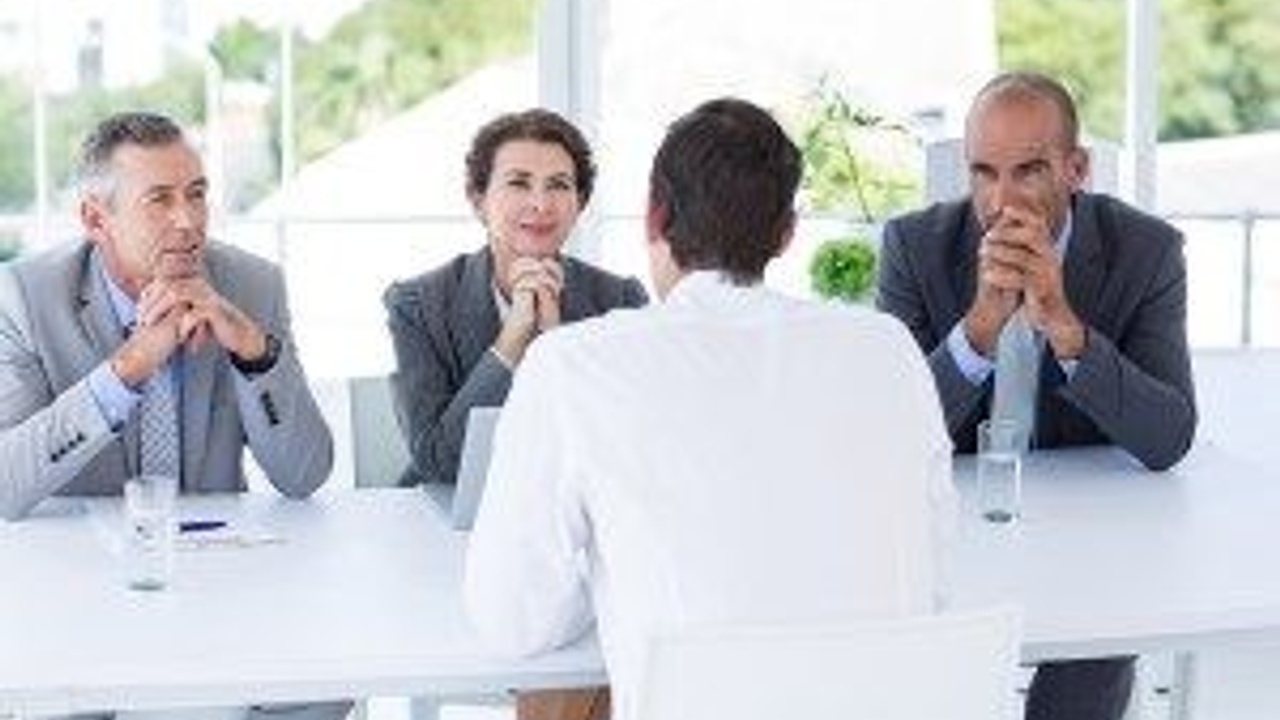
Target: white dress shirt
<point>729,455</point>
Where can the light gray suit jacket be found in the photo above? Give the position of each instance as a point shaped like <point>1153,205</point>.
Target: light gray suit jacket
<point>57,325</point>
<point>1125,277</point>
<point>442,324</point>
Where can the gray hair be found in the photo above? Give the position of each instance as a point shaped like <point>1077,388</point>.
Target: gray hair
<point>145,129</point>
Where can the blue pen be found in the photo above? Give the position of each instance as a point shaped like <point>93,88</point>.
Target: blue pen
<point>188,526</point>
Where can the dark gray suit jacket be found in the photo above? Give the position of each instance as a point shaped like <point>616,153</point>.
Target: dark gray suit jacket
<point>1125,277</point>
<point>442,325</point>
<point>57,325</point>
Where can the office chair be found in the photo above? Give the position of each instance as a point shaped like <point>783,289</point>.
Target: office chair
<point>378,450</point>
<point>961,666</point>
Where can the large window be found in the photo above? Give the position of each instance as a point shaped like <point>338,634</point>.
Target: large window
<point>334,130</point>
<point>1217,76</point>
<point>659,58</point>
<point>333,136</point>
<point>1218,120</point>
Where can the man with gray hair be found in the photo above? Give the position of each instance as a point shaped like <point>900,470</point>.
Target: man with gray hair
<point>145,316</point>
<point>86,326</point>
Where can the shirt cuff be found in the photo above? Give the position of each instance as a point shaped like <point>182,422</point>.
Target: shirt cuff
<point>1069,367</point>
<point>510,366</point>
<point>114,398</point>
<point>970,362</point>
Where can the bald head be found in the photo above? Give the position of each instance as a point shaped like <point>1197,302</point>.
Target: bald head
<point>1029,88</point>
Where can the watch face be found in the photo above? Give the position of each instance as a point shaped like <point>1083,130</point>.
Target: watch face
<point>273,348</point>
<point>273,351</point>
<point>262,364</point>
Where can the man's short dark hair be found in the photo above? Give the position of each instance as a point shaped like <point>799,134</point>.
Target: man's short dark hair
<point>536,124</point>
<point>723,185</point>
<point>141,128</point>
<point>1024,84</point>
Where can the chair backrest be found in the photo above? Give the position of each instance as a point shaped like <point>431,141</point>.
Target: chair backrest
<point>379,453</point>
<point>955,666</point>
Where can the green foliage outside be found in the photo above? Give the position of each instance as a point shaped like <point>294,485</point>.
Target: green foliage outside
<point>1219,74</point>
<point>377,62</point>
<point>393,54</point>
<point>246,51</point>
<point>1219,67</point>
<point>17,162</point>
<point>180,93</point>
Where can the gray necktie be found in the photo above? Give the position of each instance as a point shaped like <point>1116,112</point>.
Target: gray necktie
<point>160,443</point>
<point>1017,375</point>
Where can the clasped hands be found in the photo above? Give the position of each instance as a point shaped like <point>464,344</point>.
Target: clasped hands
<point>1018,266</point>
<point>534,286</point>
<point>174,312</point>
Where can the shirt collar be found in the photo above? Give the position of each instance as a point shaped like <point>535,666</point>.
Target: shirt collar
<point>500,302</point>
<point>1061,242</point>
<point>703,286</point>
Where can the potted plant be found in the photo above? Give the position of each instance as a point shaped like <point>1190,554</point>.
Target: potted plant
<point>858,167</point>
<point>843,268</point>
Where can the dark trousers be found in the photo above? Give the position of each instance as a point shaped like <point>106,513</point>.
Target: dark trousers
<point>1081,690</point>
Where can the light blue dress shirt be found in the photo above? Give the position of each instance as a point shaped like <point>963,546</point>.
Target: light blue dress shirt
<point>114,397</point>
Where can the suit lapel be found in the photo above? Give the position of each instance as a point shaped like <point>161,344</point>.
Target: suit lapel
<point>1083,268</point>
<point>964,261</point>
<point>105,335</point>
<point>96,315</point>
<point>476,317</point>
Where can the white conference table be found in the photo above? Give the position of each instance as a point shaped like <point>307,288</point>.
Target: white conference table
<point>356,593</point>
<point>1113,559</point>
<point>1110,559</point>
<point>360,594</point>
<point>349,594</point>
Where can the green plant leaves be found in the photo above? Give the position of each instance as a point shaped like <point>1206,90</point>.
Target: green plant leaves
<point>843,269</point>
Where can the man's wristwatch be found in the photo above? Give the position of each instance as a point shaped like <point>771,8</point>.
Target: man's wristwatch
<point>261,364</point>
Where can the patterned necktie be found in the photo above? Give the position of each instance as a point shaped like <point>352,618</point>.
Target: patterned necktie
<point>1017,376</point>
<point>160,443</point>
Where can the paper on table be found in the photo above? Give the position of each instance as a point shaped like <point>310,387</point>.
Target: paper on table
<point>226,538</point>
<point>107,521</point>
